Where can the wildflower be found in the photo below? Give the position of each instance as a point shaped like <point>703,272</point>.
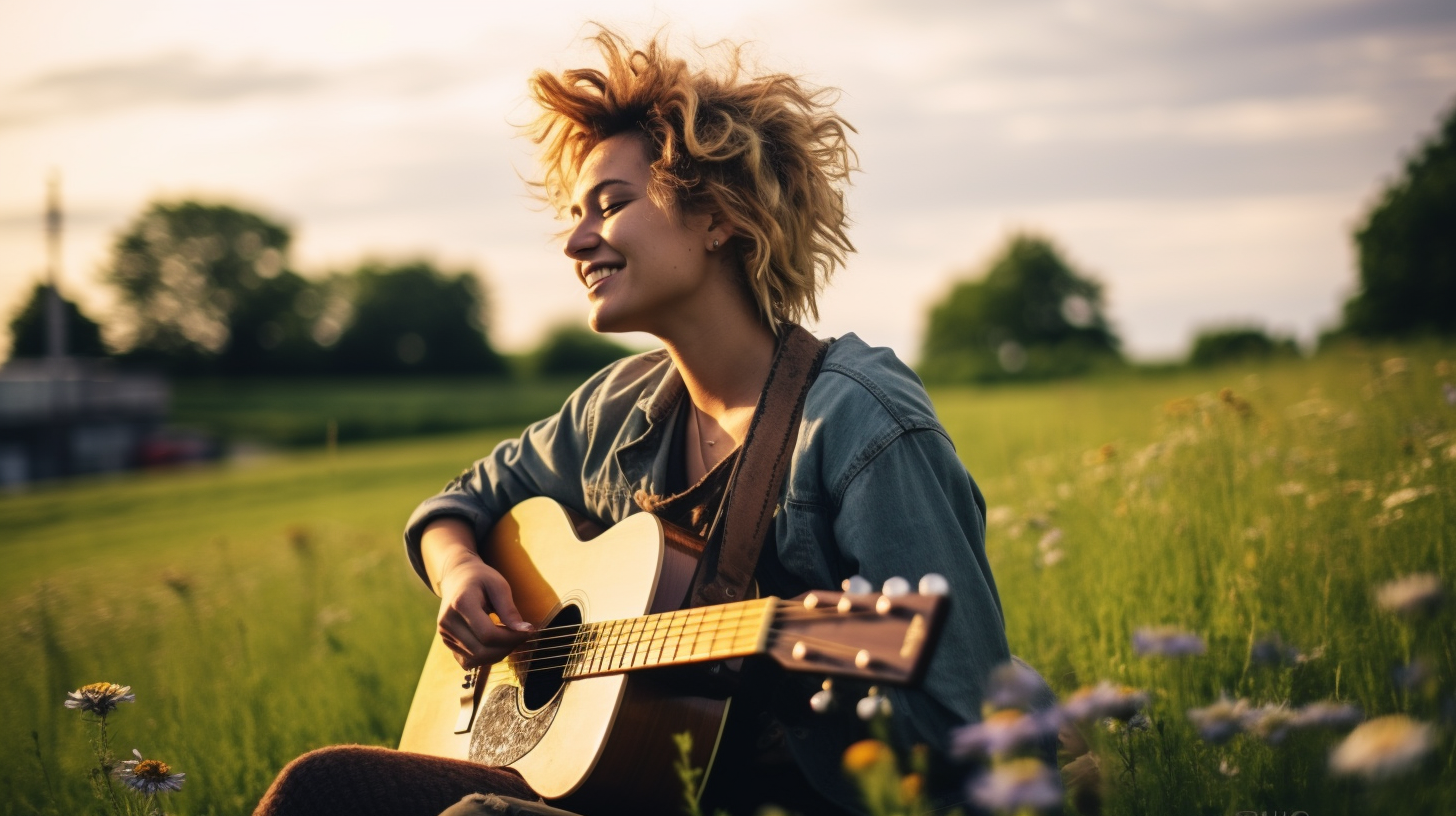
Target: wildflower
<point>1104,700</point>
<point>1021,784</point>
<point>1000,516</point>
<point>1273,651</point>
<point>1166,641</point>
<point>1016,685</point>
<point>1219,722</point>
<point>866,754</point>
<point>1051,558</point>
<point>1291,489</point>
<point>1406,495</point>
<point>1394,366</point>
<point>1271,722</point>
<point>1449,392</point>
<point>1228,768</point>
<point>1050,540</point>
<point>149,776</point>
<point>1382,747</point>
<point>1002,733</point>
<point>1326,714</point>
<point>101,698</point>
<point>1412,595</point>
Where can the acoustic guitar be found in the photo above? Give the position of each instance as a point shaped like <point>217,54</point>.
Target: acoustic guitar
<point>575,709</point>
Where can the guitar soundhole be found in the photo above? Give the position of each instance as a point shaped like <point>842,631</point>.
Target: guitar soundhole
<point>541,673</point>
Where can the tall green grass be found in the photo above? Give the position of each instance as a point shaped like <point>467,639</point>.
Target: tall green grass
<point>263,609</point>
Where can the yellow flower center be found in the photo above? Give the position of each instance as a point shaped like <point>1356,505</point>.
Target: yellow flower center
<point>152,769</point>
<point>865,754</point>
<point>99,688</point>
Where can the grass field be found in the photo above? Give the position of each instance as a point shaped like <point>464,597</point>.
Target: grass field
<point>261,610</point>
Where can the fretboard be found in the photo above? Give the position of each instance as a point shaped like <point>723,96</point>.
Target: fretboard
<point>685,636</point>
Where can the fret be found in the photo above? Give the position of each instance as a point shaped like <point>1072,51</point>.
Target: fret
<point>634,642</point>
<point>604,647</point>
<point>670,638</point>
<point>653,656</point>
<point>619,643</point>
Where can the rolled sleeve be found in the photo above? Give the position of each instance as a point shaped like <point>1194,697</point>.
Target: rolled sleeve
<point>546,460</point>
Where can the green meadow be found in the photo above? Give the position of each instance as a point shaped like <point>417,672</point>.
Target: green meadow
<point>263,607</point>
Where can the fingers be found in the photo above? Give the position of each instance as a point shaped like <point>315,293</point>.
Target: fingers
<point>503,604</point>
<point>466,626</point>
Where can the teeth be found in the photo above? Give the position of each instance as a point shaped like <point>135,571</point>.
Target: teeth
<point>596,275</point>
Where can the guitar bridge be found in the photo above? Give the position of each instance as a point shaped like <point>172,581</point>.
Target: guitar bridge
<point>466,717</point>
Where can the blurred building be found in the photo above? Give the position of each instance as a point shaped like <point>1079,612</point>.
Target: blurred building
<point>65,416</point>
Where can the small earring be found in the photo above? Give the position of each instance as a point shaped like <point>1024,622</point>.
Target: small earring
<point>715,243</point>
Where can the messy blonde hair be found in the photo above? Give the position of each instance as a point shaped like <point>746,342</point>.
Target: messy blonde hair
<point>764,152</point>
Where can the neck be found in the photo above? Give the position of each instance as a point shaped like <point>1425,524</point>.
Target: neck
<point>724,360</point>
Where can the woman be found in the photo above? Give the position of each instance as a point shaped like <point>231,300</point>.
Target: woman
<point>705,209</point>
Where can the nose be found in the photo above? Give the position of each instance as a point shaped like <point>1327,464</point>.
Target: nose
<point>582,239</point>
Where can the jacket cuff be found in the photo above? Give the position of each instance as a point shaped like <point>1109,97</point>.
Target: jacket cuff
<point>438,507</point>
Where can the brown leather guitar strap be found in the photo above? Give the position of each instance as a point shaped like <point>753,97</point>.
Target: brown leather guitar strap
<point>737,535</point>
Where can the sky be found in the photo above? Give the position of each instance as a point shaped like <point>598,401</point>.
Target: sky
<point>1206,160</point>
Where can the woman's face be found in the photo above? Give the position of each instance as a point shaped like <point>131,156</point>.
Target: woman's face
<point>641,268</point>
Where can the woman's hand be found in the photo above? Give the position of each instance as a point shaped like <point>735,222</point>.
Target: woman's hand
<point>469,591</point>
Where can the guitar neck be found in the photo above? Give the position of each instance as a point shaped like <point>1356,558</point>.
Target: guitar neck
<point>694,635</point>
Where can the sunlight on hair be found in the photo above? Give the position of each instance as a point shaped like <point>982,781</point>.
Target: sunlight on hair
<point>764,152</point>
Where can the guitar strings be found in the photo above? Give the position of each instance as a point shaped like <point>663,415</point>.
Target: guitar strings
<point>612,651</point>
<point>606,667</point>
<point>786,611</point>
<point>650,631</point>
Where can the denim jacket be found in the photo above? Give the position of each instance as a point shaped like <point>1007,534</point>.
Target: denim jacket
<point>874,489</point>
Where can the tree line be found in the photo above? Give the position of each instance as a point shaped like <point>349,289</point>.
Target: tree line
<point>206,289</point>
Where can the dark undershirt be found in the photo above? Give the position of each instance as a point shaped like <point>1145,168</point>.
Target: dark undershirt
<point>753,765</point>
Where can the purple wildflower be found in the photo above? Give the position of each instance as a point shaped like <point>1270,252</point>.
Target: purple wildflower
<point>1104,700</point>
<point>1018,785</point>
<point>1166,641</point>
<point>1003,733</point>
<point>1219,722</point>
<point>1326,714</point>
<point>1015,685</point>
<point>1273,651</point>
<point>1271,722</point>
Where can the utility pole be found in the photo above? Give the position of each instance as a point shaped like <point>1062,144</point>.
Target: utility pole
<point>55,309</point>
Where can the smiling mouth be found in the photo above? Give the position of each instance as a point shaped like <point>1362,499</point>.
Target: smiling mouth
<point>600,274</point>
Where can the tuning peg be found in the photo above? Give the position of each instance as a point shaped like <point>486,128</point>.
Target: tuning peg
<point>933,583</point>
<point>857,585</point>
<point>872,704</point>
<point>823,699</point>
<point>895,587</point>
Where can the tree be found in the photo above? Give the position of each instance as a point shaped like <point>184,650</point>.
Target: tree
<point>1237,343</point>
<point>1408,249</point>
<point>205,288</point>
<point>413,319</point>
<point>1029,315</point>
<point>28,329</point>
<point>574,351</point>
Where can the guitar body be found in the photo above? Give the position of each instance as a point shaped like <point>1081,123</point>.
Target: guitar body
<point>599,744</point>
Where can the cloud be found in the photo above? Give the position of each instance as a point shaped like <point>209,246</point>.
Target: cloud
<point>182,78</point>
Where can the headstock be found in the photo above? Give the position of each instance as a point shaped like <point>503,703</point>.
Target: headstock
<point>883,637</point>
